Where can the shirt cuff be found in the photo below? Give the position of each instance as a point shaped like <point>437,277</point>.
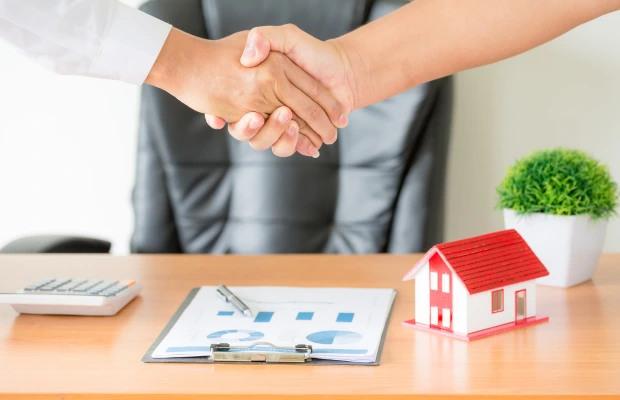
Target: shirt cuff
<point>130,47</point>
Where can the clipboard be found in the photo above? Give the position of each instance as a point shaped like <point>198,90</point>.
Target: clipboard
<point>147,358</point>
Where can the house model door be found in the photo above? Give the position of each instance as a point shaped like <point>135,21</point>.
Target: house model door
<point>520,306</point>
<point>440,294</point>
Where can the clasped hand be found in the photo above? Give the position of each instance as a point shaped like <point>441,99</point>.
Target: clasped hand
<point>277,87</point>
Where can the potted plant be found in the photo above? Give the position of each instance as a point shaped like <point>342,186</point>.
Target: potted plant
<point>560,201</point>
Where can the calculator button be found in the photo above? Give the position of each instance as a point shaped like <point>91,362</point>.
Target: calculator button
<point>120,289</point>
<point>39,284</point>
<point>62,287</point>
<point>92,284</point>
<point>54,284</point>
<point>101,287</point>
<point>111,291</point>
<point>60,282</point>
<point>87,286</point>
<point>73,285</point>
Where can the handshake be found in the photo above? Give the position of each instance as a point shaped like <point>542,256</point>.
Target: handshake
<point>277,87</point>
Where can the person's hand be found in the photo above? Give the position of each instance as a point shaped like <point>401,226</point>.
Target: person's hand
<point>327,62</point>
<point>206,76</point>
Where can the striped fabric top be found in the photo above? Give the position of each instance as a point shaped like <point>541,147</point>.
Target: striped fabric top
<point>491,261</point>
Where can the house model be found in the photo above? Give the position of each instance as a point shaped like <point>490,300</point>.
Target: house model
<point>477,287</point>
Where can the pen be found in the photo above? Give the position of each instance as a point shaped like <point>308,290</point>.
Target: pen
<point>230,297</point>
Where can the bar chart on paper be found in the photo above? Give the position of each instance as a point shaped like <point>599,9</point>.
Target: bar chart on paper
<point>266,316</point>
<point>340,324</point>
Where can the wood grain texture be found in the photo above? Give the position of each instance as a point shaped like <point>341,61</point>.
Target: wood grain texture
<point>576,353</point>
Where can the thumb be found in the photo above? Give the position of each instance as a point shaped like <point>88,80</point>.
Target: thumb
<point>267,38</point>
<point>257,49</point>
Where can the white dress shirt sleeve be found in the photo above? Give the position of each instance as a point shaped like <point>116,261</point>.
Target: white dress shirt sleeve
<point>97,38</point>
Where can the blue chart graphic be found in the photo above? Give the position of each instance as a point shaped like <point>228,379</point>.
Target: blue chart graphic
<point>345,317</point>
<point>304,316</point>
<point>263,316</point>
<point>225,313</point>
<point>334,337</point>
<point>237,334</point>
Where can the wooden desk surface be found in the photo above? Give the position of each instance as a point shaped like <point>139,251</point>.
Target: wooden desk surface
<point>577,352</point>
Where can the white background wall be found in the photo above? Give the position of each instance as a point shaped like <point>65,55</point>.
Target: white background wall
<point>67,153</point>
<point>565,93</point>
<point>67,144</point>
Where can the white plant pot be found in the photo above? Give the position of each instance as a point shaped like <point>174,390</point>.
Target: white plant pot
<point>569,246</point>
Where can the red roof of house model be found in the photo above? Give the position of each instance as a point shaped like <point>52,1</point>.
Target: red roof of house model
<point>488,261</point>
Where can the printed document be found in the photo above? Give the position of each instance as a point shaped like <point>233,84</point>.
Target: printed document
<point>341,324</point>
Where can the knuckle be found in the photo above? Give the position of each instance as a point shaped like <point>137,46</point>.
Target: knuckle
<point>316,89</point>
<point>258,97</point>
<point>338,110</point>
<point>313,113</point>
<point>277,57</point>
<point>291,28</point>
<point>255,34</point>
<point>303,125</point>
<point>266,79</point>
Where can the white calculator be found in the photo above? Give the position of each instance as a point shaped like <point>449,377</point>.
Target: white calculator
<point>73,296</point>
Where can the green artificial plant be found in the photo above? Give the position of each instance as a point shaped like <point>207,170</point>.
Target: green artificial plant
<point>561,182</point>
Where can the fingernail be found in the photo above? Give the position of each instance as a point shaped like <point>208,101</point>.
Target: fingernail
<point>314,152</point>
<point>343,120</point>
<point>333,141</point>
<point>255,123</point>
<point>249,52</point>
<point>292,130</point>
<point>284,117</point>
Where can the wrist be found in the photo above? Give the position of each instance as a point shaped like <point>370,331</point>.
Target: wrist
<point>171,63</point>
<point>355,71</point>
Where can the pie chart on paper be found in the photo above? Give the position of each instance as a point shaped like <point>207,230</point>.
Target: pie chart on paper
<point>334,337</point>
<point>237,335</point>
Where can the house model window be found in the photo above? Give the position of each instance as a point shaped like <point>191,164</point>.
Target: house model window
<point>445,283</point>
<point>497,299</point>
<point>433,280</point>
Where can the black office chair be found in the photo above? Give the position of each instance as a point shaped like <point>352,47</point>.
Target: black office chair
<point>378,189</point>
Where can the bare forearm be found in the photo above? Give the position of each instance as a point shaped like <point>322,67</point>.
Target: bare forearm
<point>428,39</point>
<point>167,72</point>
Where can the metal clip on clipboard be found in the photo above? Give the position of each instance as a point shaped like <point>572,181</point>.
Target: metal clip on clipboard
<point>264,352</point>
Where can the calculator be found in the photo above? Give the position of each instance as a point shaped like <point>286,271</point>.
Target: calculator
<point>73,296</point>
